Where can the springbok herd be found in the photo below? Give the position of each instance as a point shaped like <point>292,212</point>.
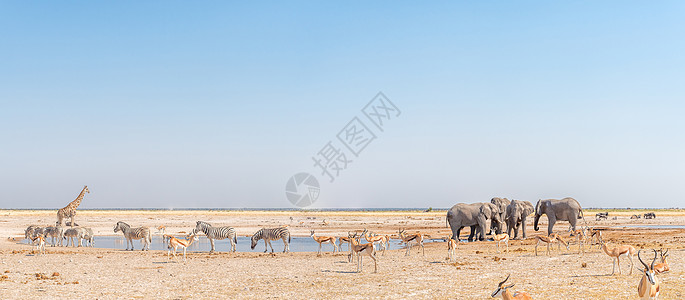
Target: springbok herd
<point>648,286</point>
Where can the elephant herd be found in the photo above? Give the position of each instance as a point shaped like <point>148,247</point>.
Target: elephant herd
<point>500,213</point>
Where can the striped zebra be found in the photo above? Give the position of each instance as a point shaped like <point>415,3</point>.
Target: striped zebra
<point>72,234</point>
<point>54,232</point>
<point>272,234</point>
<point>216,233</point>
<point>138,233</point>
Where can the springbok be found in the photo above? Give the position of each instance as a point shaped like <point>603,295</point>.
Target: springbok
<point>174,243</point>
<point>549,240</point>
<point>502,238</point>
<point>358,249</point>
<point>649,286</point>
<point>39,241</point>
<point>503,291</point>
<point>451,248</point>
<point>615,254</point>
<point>382,240</point>
<point>408,239</point>
<point>581,237</point>
<point>324,239</point>
<point>662,267</point>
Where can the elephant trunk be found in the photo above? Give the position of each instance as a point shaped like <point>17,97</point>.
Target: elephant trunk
<point>535,223</point>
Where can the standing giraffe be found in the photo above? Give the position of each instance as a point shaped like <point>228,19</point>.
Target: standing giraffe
<point>69,211</point>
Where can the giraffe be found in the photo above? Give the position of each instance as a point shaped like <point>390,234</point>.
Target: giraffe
<point>69,211</point>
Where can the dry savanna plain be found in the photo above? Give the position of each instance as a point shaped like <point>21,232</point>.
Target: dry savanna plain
<point>95,273</point>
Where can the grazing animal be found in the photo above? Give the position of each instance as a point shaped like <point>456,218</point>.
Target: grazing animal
<point>356,248</point>
<point>649,286</point>
<point>593,234</point>
<point>342,240</point>
<point>324,239</point>
<point>601,216</point>
<point>549,240</point>
<point>567,209</point>
<point>662,267</point>
<point>39,241</point>
<point>411,238</point>
<point>174,243</point>
<point>54,232</point>
<point>217,233</point>
<point>86,234</point>
<point>272,234</point>
<point>72,234</point>
<point>69,211</point>
<point>650,215</point>
<point>382,240</point>
<point>503,291</point>
<point>502,238</point>
<point>137,233</point>
<point>635,217</point>
<point>451,248</point>
<point>33,231</point>
<point>581,237</point>
<point>616,253</point>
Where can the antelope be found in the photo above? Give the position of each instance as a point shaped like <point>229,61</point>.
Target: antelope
<point>581,237</point>
<point>451,247</point>
<point>359,249</point>
<point>324,239</point>
<point>503,237</point>
<point>507,295</point>
<point>552,238</point>
<point>615,254</point>
<point>344,239</point>
<point>561,241</point>
<point>39,241</point>
<point>649,285</point>
<point>407,239</point>
<point>381,239</point>
<point>183,243</point>
<point>662,267</point>
<point>595,234</point>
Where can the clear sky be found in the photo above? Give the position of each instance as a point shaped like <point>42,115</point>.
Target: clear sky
<point>175,104</point>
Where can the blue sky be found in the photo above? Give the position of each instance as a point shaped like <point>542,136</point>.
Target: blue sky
<point>172,104</point>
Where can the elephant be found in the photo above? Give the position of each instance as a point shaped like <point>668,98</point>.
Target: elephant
<point>567,209</point>
<point>478,216</point>
<point>517,212</point>
<point>501,204</point>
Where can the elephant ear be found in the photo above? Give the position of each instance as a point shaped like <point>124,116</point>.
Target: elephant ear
<point>485,211</point>
<point>527,210</point>
<point>538,208</point>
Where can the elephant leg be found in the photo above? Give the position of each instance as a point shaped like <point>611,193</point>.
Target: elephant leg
<point>523,228</point>
<point>550,226</point>
<point>516,231</point>
<point>473,231</point>
<point>455,234</point>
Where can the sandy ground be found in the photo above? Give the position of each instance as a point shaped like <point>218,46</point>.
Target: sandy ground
<point>107,274</point>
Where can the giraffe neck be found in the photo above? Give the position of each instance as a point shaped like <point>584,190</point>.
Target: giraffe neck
<point>77,201</point>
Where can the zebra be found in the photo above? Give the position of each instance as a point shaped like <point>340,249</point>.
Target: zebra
<point>272,234</point>
<point>86,234</point>
<point>216,233</point>
<point>55,232</point>
<point>73,233</point>
<point>32,231</point>
<point>138,233</point>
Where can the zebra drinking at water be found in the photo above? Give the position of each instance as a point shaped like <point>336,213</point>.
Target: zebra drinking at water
<point>86,234</point>
<point>54,232</point>
<point>216,233</point>
<point>272,234</point>
<point>138,233</point>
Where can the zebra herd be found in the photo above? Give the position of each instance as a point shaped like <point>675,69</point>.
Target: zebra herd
<point>58,234</point>
<point>80,234</point>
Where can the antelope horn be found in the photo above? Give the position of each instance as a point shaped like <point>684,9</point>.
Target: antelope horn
<point>653,260</point>
<point>666,253</point>
<point>505,280</point>
<point>640,258</point>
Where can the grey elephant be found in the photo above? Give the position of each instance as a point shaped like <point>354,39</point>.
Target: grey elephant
<point>478,216</point>
<point>567,209</point>
<point>501,204</point>
<point>517,212</point>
